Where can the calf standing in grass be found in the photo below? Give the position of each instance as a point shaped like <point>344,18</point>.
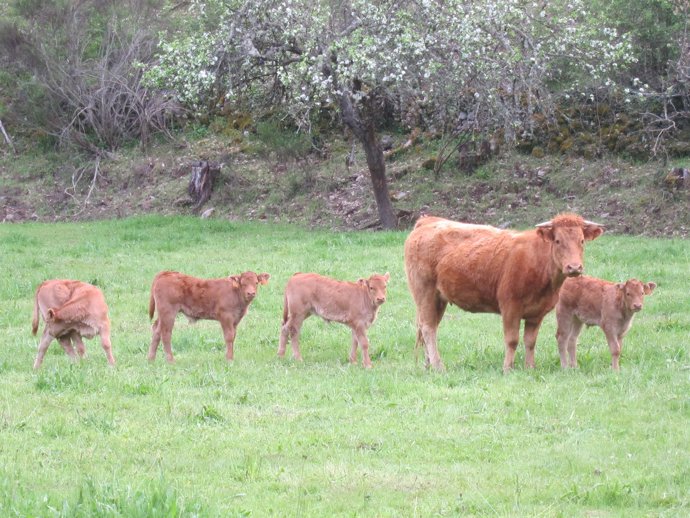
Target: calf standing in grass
<point>352,303</point>
<point>225,300</point>
<point>611,306</point>
<point>71,310</point>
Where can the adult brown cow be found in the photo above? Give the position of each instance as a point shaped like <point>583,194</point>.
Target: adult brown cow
<point>483,269</point>
<point>354,304</point>
<point>71,310</point>
<point>226,300</point>
<point>596,302</point>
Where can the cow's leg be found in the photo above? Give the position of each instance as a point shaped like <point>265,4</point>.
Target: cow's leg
<point>572,342</point>
<point>530,337</point>
<point>511,337</point>
<point>614,347</point>
<point>105,343</point>
<point>66,343</point>
<point>429,314</point>
<point>353,350</point>
<point>46,338</point>
<point>229,331</point>
<point>155,339</point>
<point>361,337</point>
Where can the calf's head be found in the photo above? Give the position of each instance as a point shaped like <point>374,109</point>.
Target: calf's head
<point>633,292</point>
<point>376,288</point>
<point>248,282</point>
<point>567,234</point>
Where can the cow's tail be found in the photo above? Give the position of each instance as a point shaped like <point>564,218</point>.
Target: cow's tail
<point>34,320</point>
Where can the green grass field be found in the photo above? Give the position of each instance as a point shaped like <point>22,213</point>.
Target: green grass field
<point>269,437</point>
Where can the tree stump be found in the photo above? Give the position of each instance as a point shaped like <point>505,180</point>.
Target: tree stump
<point>203,178</point>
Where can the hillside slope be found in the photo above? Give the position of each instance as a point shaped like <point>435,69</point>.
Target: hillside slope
<point>256,182</point>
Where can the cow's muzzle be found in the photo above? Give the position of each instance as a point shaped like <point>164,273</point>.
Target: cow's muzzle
<point>573,270</point>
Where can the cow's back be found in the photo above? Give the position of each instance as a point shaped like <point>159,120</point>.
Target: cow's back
<point>462,261</point>
<point>434,238</point>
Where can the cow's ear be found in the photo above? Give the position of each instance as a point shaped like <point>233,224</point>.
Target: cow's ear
<point>235,280</point>
<point>387,276</point>
<point>620,286</point>
<point>545,232</point>
<point>592,230</point>
<point>649,288</point>
<point>263,278</point>
<point>51,314</point>
<point>362,282</point>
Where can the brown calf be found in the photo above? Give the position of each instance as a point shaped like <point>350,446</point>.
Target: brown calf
<point>354,304</point>
<point>595,302</point>
<point>483,269</point>
<point>71,310</point>
<point>225,300</point>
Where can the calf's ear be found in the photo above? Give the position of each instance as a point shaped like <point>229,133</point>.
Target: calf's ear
<point>263,278</point>
<point>362,282</point>
<point>235,280</point>
<point>51,314</point>
<point>620,285</point>
<point>387,276</point>
<point>649,288</point>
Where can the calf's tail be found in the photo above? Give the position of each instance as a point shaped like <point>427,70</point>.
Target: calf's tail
<point>285,308</point>
<point>418,343</point>
<point>152,304</point>
<point>34,320</point>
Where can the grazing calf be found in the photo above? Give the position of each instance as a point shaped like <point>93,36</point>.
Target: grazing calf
<point>483,269</point>
<point>611,306</point>
<point>225,300</point>
<point>354,304</point>
<point>71,310</point>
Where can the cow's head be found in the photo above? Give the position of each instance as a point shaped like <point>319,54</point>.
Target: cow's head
<point>567,234</point>
<point>633,292</point>
<point>248,282</point>
<point>376,287</point>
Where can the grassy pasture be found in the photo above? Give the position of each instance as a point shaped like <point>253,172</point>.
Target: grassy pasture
<point>268,437</point>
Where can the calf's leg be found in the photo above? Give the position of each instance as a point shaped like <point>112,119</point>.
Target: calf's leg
<point>229,331</point>
<point>46,338</point>
<point>614,347</point>
<point>361,337</point>
<point>166,327</point>
<point>294,325</point>
<point>155,339</point>
<point>353,350</point>
<point>572,342</point>
<point>66,343</point>
<point>105,343</point>
<point>77,340</point>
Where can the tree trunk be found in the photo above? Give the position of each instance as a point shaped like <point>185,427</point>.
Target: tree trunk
<point>365,132</point>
